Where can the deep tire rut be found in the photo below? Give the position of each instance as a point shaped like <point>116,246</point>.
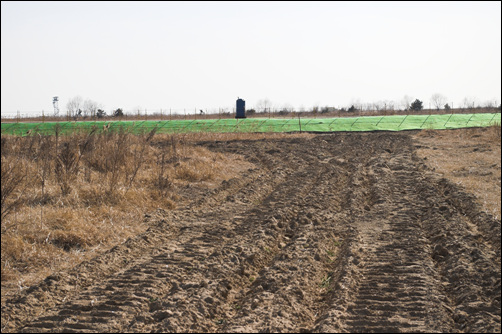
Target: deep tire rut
<point>344,232</point>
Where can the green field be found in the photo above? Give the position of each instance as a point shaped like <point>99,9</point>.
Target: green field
<point>372,123</point>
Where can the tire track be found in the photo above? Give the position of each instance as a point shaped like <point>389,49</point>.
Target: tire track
<point>397,283</point>
<point>56,289</point>
<point>339,233</point>
<point>135,297</point>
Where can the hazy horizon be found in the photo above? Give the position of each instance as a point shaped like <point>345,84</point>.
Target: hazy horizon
<point>204,55</point>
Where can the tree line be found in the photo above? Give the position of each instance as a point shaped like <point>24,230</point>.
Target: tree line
<point>77,107</point>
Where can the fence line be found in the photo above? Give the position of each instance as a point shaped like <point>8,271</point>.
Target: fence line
<point>211,113</point>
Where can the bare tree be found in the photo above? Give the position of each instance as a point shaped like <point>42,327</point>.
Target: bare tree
<point>406,102</point>
<point>490,103</point>
<point>73,106</point>
<point>356,103</point>
<point>263,104</point>
<point>286,108</point>
<point>468,102</point>
<point>390,105</point>
<point>387,105</point>
<point>90,108</point>
<point>377,106</point>
<point>438,100</point>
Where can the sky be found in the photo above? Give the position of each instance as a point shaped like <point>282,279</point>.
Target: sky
<point>204,55</point>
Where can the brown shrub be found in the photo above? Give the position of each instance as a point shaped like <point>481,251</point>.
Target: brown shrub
<point>88,192</point>
<point>13,177</point>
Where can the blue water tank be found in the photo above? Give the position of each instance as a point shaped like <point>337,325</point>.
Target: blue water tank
<point>241,109</point>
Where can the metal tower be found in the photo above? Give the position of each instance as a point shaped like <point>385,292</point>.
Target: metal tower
<point>55,104</point>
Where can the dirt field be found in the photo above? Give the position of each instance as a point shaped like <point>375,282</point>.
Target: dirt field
<point>343,232</point>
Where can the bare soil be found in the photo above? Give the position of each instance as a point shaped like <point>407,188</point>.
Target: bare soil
<point>343,232</point>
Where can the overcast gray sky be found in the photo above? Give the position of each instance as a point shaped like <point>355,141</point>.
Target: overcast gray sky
<point>154,55</point>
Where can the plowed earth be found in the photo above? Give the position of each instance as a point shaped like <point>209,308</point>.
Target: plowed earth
<point>341,232</point>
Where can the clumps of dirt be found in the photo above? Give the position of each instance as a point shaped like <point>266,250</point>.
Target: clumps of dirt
<point>465,246</point>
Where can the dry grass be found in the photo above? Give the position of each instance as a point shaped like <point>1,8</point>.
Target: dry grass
<point>468,157</point>
<point>66,199</point>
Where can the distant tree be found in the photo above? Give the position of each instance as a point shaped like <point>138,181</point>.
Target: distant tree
<point>263,104</point>
<point>377,106</point>
<point>118,113</point>
<point>388,105</point>
<point>73,106</point>
<point>357,104</point>
<point>352,109</point>
<point>406,101</point>
<point>468,102</point>
<point>438,100</point>
<point>90,108</point>
<point>417,105</point>
<point>490,104</point>
<point>447,107</point>
<point>285,109</point>
<point>100,113</point>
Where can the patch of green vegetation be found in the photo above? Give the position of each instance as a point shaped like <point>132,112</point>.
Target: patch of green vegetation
<point>326,280</point>
<point>364,123</point>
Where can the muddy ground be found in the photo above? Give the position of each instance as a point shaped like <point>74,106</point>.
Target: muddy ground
<point>334,233</point>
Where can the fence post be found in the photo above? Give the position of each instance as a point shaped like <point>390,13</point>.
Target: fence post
<point>330,125</point>
<point>425,121</point>
<point>380,120</point>
<point>449,120</point>
<point>402,121</point>
<point>494,114</point>
<point>469,119</point>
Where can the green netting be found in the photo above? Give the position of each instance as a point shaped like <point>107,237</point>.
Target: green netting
<point>373,123</point>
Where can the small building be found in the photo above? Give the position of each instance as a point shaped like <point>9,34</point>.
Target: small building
<point>240,111</point>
